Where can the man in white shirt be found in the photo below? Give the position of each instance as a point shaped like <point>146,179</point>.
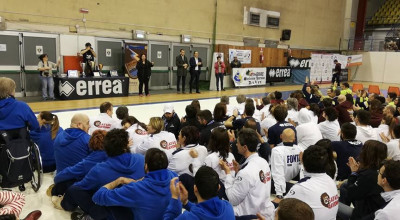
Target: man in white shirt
<point>285,163</point>
<point>318,190</point>
<point>364,131</point>
<point>393,146</point>
<point>292,105</point>
<point>389,180</point>
<point>249,192</point>
<point>330,127</point>
<point>104,120</point>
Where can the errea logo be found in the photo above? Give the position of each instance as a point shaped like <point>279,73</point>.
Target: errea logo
<point>66,88</point>
<point>271,73</point>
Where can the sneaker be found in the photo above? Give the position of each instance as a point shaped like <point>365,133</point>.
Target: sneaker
<point>80,216</point>
<point>52,99</point>
<point>44,99</point>
<point>223,89</point>
<point>33,215</point>
<point>56,200</point>
<point>198,92</point>
<point>148,95</point>
<point>48,191</point>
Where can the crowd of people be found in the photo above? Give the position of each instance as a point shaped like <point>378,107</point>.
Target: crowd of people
<point>311,156</point>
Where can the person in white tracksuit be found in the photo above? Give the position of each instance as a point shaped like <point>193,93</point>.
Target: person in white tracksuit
<point>364,131</point>
<point>249,191</point>
<point>104,120</point>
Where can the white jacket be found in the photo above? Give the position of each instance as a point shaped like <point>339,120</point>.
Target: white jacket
<point>212,160</point>
<point>365,133</point>
<point>285,165</point>
<point>181,162</point>
<point>103,122</point>
<point>393,149</point>
<point>293,115</point>
<point>268,122</point>
<point>138,135</point>
<point>320,193</point>
<point>164,141</point>
<point>249,192</point>
<point>382,129</point>
<point>391,210</point>
<point>330,130</point>
<point>307,134</point>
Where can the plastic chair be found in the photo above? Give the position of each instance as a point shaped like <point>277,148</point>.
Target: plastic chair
<point>374,89</point>
<point>357,86</point>
<point>394,89</point>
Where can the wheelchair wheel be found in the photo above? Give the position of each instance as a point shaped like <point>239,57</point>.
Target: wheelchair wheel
<point>36,166</point>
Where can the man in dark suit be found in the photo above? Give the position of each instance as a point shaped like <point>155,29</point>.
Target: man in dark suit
<point>182,64</point>
<point>195,69</point>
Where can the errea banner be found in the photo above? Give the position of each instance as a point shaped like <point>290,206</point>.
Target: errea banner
<point>248,76</point>
<point>278,74</point>
<point>86,88</point>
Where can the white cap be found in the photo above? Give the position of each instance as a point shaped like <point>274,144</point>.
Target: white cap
<point>168,108</point>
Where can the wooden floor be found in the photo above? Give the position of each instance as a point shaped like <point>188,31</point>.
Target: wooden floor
<point>135,99</point>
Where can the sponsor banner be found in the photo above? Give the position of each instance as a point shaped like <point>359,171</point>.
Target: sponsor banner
<point>299,63</point>
<point>86,88</point>
<point>249,76</point>
<point>354,60</point>
<point>244,56</point>
<point>278,74</point>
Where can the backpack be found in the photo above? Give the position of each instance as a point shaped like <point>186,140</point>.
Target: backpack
<point>15,166</point>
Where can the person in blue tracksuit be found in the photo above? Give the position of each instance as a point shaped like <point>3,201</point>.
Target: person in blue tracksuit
<point>66,178</point>
<point>206,190</point>
<point>120,163</point>
<point>44,137</point>
<point>14,114</point>
<point>145,199</point>
<point>72,145</point>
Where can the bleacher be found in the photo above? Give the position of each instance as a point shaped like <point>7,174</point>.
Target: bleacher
<point>387,15</point>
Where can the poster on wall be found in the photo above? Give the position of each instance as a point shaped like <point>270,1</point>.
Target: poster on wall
<point>132,53</point>
<point>39,50</point>
<point>249,76</point>
<point>244,56</point>
<point>354,60</point>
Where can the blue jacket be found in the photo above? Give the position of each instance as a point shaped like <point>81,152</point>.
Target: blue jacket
<point>79,170</point>
<point>42,137</point>
<point>126,165</point>
<point>16,114</point>
<point>70,147</point>
<point>148,198</point>
<point>212,209</point>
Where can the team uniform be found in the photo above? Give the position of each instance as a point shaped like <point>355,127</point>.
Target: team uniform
<point>293,115</point>
<point>164,141</point>
<point>103,121</point>
<point>393,149</point>
<point>308,134</point>
<point>268,122</point>
<point>285,165</point>
<point>319,191</point>
<point>344,150</point>
<point>137,134</point>
<point>274,132</point>
<point>330,130</point>
<point>212,160</point>
<point>182,163</point>
<point>382,129</point>
<point>365,133</point>
<point>249,192</point>
<point>391,210</point>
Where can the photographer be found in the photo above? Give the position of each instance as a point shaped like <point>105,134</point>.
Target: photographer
<point>88,59</point>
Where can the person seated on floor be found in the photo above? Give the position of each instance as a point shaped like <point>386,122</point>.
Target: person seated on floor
<point>120,163</point>
<point>330,127</point>
<point>345,89</point>
<point>206,186</point>
<point>274,133</point>
<point>207,122</point>
<point>220,112</point>
<point>249,193</point>
<point>156,138</point>
<point>122,112</point>
<point>44,138</point>
<point>72,144</point>
<point>346,148</point>
<point>172,122</point>
<point>236,122</point>
<point>136,130</point>
<point>183,162</point>
<point>293,114</point>
<point>66,178</point>
<point>14,114</point>
<point>393,145</point>
<point>343,109</point>
<point>285,164</point>
<point>293,209</point>
<point>389,180</point>
<point>308,132</point>
<point>104,120</point>
<point>317,189</point>
<point>229,107</point>
<point>190,118</point>
<point>141,199</point>
<point>364,131</point>
<point>11,204</point>
<point>240,99</point>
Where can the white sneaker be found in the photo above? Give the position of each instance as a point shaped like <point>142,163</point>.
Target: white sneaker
<point>56,200</point>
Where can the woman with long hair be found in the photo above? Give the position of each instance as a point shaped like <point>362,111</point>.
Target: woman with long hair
<point>136,130</point>
<point>44,137</point>
<point>361,188</point>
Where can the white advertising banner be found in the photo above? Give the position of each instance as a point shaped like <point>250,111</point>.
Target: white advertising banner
<point>244,56</point>
<point>249,76</point>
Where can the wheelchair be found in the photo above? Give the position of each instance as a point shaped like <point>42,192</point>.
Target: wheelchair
<point>20,160</point>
